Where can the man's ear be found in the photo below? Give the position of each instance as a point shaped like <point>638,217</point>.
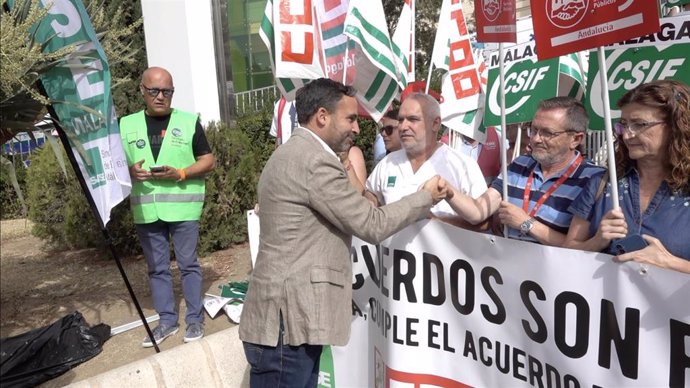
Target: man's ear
<point>578,138</point>
<point>436,125</point>
<point>322,116</point>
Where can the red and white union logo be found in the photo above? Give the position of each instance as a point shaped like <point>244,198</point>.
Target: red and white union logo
<point>566,13</point>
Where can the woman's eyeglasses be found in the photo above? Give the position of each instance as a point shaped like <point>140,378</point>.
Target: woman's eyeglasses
<point>153,92</point>
<point>635,127</point>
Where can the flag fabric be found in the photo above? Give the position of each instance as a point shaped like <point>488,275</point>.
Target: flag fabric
<point>468,124</point>
<point>376,79</point>
<point>288,86</point>
<point>403,44</point>
<point>571,78</point>
<point>440,54</point>
<point>331,22</point>
<point>462,86</point>
<point>79,87</point>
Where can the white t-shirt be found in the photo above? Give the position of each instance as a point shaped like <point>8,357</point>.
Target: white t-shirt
<point>284,118</point>
<point>393,178</point>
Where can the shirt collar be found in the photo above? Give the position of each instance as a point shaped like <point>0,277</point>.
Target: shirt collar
<point>323,143</point>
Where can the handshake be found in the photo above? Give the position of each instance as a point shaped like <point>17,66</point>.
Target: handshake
<point>438,188</point>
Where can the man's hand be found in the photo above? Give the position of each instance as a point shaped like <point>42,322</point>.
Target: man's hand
<point>438,188</point>
<point>167,173</point>
<point>137,173</point>
<point>511,215</point>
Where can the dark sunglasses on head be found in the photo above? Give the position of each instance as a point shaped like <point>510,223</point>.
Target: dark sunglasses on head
<point>388,129</point>
<point>153,92</point>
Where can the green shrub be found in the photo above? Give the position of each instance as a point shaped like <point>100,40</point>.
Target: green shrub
<point>240,154</point>
<point>57,207</point>
<point>11,207</point>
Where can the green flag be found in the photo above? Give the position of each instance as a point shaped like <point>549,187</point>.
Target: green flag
<point>79,88</point>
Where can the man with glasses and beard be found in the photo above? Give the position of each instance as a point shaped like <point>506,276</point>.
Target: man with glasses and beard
<point>541,186</point>
<point>168,157</point>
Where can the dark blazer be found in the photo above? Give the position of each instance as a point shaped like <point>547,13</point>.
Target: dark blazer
<point>308,213</point>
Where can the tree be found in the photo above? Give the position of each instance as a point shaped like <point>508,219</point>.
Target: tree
<point>22,60</point>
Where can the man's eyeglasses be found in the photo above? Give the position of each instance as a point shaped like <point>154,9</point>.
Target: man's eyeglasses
<point>635,127</point>
<point>153,92</point>
<point>388,129</point>
<point>545,134</point>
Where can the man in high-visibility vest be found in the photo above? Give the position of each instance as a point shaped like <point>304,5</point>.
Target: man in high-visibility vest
<point>168,157</point>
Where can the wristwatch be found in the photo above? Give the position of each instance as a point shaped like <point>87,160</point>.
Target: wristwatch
<point>526,226</point>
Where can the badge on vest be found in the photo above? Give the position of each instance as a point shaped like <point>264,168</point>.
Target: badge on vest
<point>177,132</point>
<point>141,143</point>
<point>391,181</point>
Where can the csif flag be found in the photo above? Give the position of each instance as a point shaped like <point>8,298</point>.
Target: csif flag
<point>79,88</point>
<point>403,44</point>
<point>376,79</point>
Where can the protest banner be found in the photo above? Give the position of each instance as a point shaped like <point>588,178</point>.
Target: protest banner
<point>495,20</point>
<point>662,55</point>
<point>567,26</point>
<point>435,305</point>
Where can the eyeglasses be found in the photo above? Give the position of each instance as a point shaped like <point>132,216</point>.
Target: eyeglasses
<point>545,134</point>
<point>153,92</point>
<point>388,129</point>
<point>635,127</point>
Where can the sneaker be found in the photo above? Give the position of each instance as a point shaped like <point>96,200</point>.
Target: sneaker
<point>160,333</point>
<point>195,331</point>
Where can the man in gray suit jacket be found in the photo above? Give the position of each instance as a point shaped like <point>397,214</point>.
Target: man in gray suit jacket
<point>300,291</point>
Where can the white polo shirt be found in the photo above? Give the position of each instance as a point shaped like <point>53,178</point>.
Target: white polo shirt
<point>393,178</point>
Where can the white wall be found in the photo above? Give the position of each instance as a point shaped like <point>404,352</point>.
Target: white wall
<point>179,38</point>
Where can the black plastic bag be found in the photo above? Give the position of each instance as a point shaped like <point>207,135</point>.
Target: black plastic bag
<point>39,355</point>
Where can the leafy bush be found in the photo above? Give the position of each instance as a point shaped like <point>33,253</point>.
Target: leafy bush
<point>240,153</point>
<point>62,216</point>
<point>11,207</point>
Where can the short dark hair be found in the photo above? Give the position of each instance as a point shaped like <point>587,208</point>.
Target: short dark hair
<point>575,114</point>
<point>320,93</point>
<point>391,114</point>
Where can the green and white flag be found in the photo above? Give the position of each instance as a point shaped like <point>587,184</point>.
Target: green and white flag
<point>529,81</point>
<point>376,77</point>
<point>403,44</point>
<point>79,87</point>
<point>287,86</point>
<point>663,55</point>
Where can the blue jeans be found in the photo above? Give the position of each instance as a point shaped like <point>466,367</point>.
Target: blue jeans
<point>155,241</point>
<point>283,366</point>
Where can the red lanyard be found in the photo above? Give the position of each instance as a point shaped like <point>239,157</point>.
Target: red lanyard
<point>547,194</point>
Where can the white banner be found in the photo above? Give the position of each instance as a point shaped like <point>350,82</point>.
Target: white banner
<point>435,305</point>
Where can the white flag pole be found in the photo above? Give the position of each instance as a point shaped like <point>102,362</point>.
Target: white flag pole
<point>518,142</point>
<point>504,156</point>
<point>413,69</point>
<point>347,53</point>
<point>428,77</point>
<point>613,178</point>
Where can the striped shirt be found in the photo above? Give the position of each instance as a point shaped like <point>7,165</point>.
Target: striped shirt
<point>554,211</point>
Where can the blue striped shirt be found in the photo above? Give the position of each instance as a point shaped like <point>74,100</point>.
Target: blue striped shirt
<point>554,211</point>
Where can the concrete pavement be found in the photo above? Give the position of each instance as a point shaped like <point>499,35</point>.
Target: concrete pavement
<point>214,361</point>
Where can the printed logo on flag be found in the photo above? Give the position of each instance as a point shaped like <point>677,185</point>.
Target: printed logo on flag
<point>391,181</point>
<point>491,9</point>
<point>566,13</point>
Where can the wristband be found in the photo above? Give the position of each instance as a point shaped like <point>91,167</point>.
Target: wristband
<point>183,174</point>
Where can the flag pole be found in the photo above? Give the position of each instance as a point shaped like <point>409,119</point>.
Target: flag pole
<point>428,77</point>
<point>613,178</point>
<point>413,69</point>
<point>94,209</point>
<point>504,151</point>
<point>347,52</point>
